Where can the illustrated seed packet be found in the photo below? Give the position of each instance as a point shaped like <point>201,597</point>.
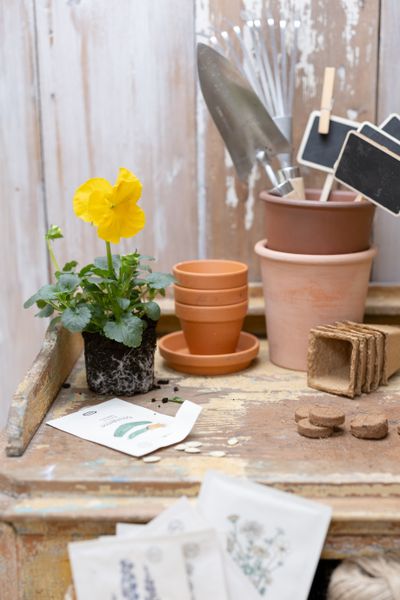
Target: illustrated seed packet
<point>274,537</point>
<point>180,518</point>
<point>128,427</point>
<point>121,569</point>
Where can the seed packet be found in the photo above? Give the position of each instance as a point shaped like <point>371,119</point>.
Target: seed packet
<point>180,518</point>
<point>128,569</point>
<point>128,427</point>
<point>274,537</point>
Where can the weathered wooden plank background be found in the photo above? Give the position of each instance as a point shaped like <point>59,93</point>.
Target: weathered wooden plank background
<point>86,88</point>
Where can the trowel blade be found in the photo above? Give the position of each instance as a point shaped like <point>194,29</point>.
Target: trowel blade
<point>241,118</point>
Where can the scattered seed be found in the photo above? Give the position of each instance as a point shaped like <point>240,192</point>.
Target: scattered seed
<point>217,453</point>
<point>181,447</point>
<point>153,399</point>
<point>151,459</point>
<point>176,388</point>
<point>163,381</point>
<point>232,441</point>
<point>66,385</point>
<point>164,400</point>
<point>190,450</point>
<point>194,444</point>
<point>156,387</point>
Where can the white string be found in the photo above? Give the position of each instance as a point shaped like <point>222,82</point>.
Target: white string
<point>366,579</point>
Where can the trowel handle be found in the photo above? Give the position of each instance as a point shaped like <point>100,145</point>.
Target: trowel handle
<point>298,187</point>
<point>293,175</point>
<point>293,195</point>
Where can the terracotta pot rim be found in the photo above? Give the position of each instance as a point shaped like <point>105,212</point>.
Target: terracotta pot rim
<point>224,307</point>
<point>242,268</point>
<point>317,204</point>
<point>216,292</point>
<point>211,314</point>
<point>329,259</point>
<point>250,342</point>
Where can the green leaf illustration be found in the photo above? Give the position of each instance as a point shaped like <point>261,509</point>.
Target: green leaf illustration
<point>122,429</point>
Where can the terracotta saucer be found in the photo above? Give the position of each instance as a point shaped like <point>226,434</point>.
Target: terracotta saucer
<point>173,348</point>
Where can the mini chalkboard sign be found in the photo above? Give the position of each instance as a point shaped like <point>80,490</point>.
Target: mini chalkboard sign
<point>320,150</point>
<point>371,170</point>
<point>377,135</point>
<point>391,125</point>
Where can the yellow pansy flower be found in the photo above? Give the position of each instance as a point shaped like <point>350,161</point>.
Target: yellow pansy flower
<point>112,209</point>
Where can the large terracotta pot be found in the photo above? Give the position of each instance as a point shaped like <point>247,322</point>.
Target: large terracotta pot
<point>211,329</point>
<point>340,226</point>
<point>302,291</point>
<point>186,295</point>
<point>211,274</point>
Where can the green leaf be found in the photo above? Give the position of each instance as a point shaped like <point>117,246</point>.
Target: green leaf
<point>159,281</point>
<point>76,319</point>
<point>86,269</point>
<point>46,292</point>
<point>70,266</point>
<point>123,303</point>
<point>127,331</point>
<point>101,262</point>
<point>47,311</point>
<point>67,282</point>
<point>54,322</point>
<point>54,233</point>
<point>145,258</point>
<point>152,310</point>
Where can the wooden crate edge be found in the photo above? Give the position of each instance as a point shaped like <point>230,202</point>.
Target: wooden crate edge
<point>40,386</point>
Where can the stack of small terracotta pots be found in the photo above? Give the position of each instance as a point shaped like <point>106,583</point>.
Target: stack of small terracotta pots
<point>211,300</point>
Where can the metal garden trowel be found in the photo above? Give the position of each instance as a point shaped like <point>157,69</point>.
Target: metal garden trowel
<point>247,129</point>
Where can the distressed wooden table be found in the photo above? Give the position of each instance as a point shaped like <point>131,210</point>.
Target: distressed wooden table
<point>63,488</point>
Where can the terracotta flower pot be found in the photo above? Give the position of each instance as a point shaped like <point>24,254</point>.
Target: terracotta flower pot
<point>302,291</point>
<point>211,329</point>
<point>210,297</point>
<point>340,226</point>
<point>211,274</point>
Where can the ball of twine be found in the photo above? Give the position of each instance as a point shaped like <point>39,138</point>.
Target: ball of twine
<point>366,579</point>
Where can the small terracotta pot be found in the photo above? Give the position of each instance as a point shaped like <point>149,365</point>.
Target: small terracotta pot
<point>211,329</point>
<point>340,226</point>
<point>211,274</point>
<point>302,291</point>
<point>210,297</point>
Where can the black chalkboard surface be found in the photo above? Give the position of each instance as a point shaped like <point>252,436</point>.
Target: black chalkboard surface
<point>391,125</point>
<point>370,170</point>
<point>374,133</point>
<point>322,150</point>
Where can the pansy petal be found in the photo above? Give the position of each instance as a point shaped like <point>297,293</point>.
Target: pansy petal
<point>83,194</point>
<point>108,229</point>
<point>133,220</point>
<point>99,206</point>
<point>127,187</point>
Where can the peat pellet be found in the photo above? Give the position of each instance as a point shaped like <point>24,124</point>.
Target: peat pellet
<point>307,429</point>
<point>369,427</point>
<point>302,412</point>
<point>326,416</point>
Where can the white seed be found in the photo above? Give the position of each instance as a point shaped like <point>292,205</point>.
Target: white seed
<point>217,453</point>
<point>194,444</point>
<point>180,447</point>
<point>151,459</point>
<point>192,450</point>
<point>232,441</point>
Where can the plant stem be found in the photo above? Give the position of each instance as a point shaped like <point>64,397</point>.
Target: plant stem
<point>52,257</point>
<point>109,259</point>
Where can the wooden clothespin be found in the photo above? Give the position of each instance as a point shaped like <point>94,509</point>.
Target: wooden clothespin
<point>326,100</point>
